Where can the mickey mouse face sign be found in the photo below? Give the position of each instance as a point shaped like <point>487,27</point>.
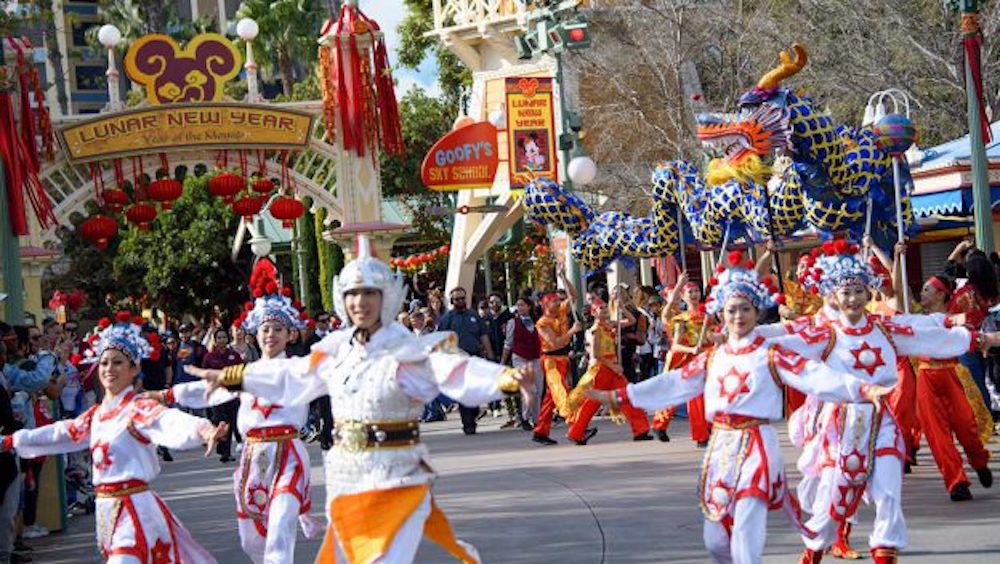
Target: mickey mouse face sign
<point>172,75</point>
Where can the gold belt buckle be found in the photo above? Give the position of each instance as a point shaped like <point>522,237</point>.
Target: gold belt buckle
<point>353,436</point>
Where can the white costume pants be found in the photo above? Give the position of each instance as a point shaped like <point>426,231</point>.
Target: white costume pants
<point>745,543</point>
<point>279,545</point>
<point>884,490</point>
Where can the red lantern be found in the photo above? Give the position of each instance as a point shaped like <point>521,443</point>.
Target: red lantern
<point>115,199</point>
<point>248,206</point>
<point>225,185</point>
<point>141,214</point>
<point>165,191</point>
<point>98,229</point>
<point>287,210</point>
<point>263,185</point>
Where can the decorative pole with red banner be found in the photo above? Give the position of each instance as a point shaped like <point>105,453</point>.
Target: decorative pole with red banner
<point>362,118</point>
<point>20,130</point>
<point>979,126</point>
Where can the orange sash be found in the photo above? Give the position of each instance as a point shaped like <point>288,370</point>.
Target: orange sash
<point>366,525</point>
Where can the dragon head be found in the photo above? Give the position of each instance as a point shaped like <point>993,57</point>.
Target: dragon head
<point>761,125</point>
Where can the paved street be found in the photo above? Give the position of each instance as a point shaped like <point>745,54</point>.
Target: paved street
<point>613,501</point>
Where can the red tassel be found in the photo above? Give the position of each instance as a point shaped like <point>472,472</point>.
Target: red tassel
<point>13,167</point>
<point>972,45</point>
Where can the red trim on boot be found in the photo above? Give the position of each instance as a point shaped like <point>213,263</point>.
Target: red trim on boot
<point>842,548</point>
<point>885,555</point>
<point>811,556</point>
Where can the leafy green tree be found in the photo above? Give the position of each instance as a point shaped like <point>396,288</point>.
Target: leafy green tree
<point>306,233</point>
<point>135,18</point>
<point>327,262</point>
<point>454,78</point>
<point>183,261</point>
<point>288,31</point>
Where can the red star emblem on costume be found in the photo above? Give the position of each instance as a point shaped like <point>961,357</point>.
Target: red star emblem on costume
<point>265,407</point>
<point>161,552</point>
<point>868,358</point>
<point>99,454</point>
<point>732,384</point>
<point>258,498</point>
<point>719,496</point>
<point>853,465</point>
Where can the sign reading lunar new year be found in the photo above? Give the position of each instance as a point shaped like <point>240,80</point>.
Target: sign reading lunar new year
<point>186,127</point>
<point>530,130</point>
<point>464,158</point>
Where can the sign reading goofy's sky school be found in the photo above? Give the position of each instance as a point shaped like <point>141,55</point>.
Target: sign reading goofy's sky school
<point>167,128</point>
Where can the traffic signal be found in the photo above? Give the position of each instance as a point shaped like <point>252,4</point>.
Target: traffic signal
<point>575,35</point>
<point>527,46</point>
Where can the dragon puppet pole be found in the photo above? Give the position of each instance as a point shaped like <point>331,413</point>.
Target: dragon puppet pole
<point>868,222</point>
<point>900,236</point>
<point>680,237</point>
<point>722,253</point>
<point>770,229</point>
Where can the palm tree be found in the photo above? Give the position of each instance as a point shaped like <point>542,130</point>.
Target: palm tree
<point>288,33</point>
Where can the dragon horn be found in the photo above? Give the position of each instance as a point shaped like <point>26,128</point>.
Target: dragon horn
<point>788,67</point>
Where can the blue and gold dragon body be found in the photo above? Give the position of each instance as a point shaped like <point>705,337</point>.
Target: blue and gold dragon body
<point>781,165</point>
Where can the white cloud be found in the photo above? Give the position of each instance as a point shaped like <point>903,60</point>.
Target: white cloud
<point>388,15</point>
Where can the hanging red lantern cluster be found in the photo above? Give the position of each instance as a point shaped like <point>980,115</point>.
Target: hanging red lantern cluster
<point>115,199</point>
<point>98,229</point>
<point>165,191</point>
<point>415,261</point>
<point>226,185</point>
<point>141,214</point>
<point>248,206</point>
<point>263,186</point>
<point>286,210</point>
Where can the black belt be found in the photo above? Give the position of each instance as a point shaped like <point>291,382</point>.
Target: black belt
<point>355,435</point>
<point>559,352</point>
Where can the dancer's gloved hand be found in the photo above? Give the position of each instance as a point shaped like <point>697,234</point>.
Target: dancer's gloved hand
<point>212,436</point>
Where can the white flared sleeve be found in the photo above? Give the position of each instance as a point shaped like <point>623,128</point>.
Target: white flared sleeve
<point>670,388</point>
<point>466,379</point>
<point>922,335</point>
<point>772,330</point>
<point>288,381</point>
<point>813,378</point>
<point>192,394</point>
<point>69,435</point>
<point>172,428</point>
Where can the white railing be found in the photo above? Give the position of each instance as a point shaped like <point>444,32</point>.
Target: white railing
<point>452,13</point>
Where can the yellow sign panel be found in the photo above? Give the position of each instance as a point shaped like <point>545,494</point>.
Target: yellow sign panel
<point>186,127</point>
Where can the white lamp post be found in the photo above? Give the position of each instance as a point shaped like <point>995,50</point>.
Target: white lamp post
<point>109,36</point>
<point>248,29</point>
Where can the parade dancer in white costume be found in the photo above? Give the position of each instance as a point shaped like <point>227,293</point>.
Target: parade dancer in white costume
<point>271,482</point>
<point>378,376</point>
<point>133,524</point>
<point>742,474</point>
<point>863,446</point>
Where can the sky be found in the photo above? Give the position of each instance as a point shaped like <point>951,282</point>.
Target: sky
<point>388,14</point>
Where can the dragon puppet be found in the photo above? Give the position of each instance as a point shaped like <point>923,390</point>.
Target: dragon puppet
<point>780,165</point>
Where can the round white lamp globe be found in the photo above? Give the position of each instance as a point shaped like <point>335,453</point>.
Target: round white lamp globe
<point>247,29</point>
<point>260,246</point>
<point>498,118</point>
<point>582,170</point>
<point>109,36</point>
